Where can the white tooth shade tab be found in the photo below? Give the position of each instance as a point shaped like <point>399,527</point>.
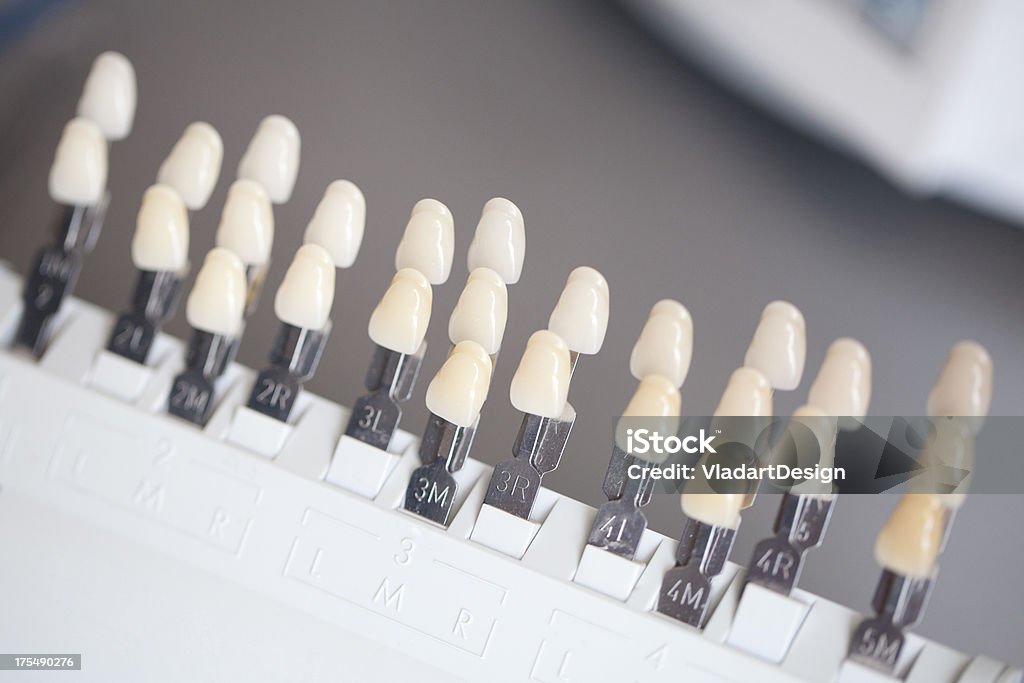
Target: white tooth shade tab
<point>459,389</point>
<point>779,346</point>
<point>581,315</point>
<point>338,223</point>
<point>109,96</point>
<point>161,235</point>
<point>481,311</point>
<point>748,393</point>
<point>78,176</point>
<point>306,294</point>
<point>655,406</point>
<point>193,166</point>
<point>843,385</point>
<point>217,300</point>
<point>400,320</point>
<point>428,244</point>
<point>910,542</point>
<point>964,387</point>
<point>247,223</point>
<point>541,383</point>
<point>272,157</point>
<point>716,509</point>
<point>499,242</point>
<point>665,346</point>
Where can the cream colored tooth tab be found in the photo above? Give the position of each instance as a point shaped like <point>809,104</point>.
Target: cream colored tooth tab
<point>161,235</point>
<point>109,96</point>
<point>655,406</point>
<point>910,542</point>
<point>581,315</point>
<point>193,166</point>
<point>459,389</point>
<point>822,428</point>
<point>78,176</point>
<point>948,460</point>
<point>272,157</point>
<point>306,294</point>
<point>748,393</point>
<point>481,311</point>
<point>217,300</point>
<point>499,242</point>
<point>540,385</point>
<point>964,387</point>
<point>428,244</point>
<point>665,345</point>
<point>779,346</point>
<point>716,509</point>
<point>843,385</point>
<point>338,223</point>
<point>247,223</point>
<point>399,322</point>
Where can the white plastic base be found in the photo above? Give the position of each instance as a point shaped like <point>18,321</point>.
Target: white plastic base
<point>766,622</point>
<point>503,532</point>
<point>119,377</point>
<point>258,432</point>
<point>607,572</point>
<point>852,672</point>
<point>360,468</point>
<point>983,670</point>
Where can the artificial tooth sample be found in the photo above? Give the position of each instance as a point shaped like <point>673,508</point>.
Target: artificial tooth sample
<point>247,229</point>
<point>272,158</point>
<point>499,242</point>
<point>713,514</point>
<point>908,548</point>
<point>160,253</point>
<point>303,305</point>
<point>540,388</point>
<point>338,223</point>
<point>964,387</point>
<point>454,397</point>
<point>843,385</point>
<point>665,345</point>
<point>78,180</point>
<point>779,346</point>
<point>481,311</point>
<point>193,166</point>
<point>397,326</point>
<point>214,310</point>
<point>620,523</point>
<point>428,244</point>
<point>109,95</point>
<point>581,315</point>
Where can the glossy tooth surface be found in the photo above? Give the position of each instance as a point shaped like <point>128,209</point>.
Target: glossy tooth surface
<point>481,311</point>
<point>247,223</point>
<point>272,158</point>
<point>161,235</point>
<point>193,166</point>
<point>779,346</point>
<point>108,98</point>
<point>217,300</point>
<point>910,542</point>
<point>948,459</point>
<point>459,389</point>
<point>428,244</point>
<point>748,393</point>
<point>399,322</point>
<point>306,294</point>
<point>655,406</point>
<point>716,509</point>
<point>964,387</point>
<point>499,242</point>
<point>822,427</point>
<point>338,222</point>
<point>581,315</point>
<point>665,346</point>
<point>843,385</point>
<point>541,383</point>
<point>78,176</point>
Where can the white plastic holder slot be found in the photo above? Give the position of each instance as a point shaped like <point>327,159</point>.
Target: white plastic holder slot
<point>854,672</point>
<point>362,468</point>
<point>258,432</point>
<point>984,670</point>
<point>607,572</point>
<point>766,622</point>
<point>119,377</point>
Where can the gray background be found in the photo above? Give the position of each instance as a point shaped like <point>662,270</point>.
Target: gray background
<point>621,156</point>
